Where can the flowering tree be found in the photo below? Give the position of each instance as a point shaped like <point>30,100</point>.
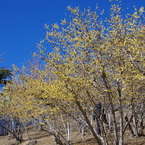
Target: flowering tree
<point>92,61</point>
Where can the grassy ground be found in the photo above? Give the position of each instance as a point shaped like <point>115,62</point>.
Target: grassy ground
<point>44,138</point>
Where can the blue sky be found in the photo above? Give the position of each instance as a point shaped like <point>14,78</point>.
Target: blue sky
<point>22,23</point>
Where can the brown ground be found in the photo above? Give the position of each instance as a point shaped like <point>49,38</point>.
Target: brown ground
<point>43,138</point>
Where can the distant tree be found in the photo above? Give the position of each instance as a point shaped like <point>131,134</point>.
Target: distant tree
<point>5,74</point>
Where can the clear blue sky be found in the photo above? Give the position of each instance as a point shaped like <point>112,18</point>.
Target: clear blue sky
<point>22,23</point>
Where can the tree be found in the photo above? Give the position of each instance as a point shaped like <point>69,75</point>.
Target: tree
<point>5,74</point>
<point>109,59</point>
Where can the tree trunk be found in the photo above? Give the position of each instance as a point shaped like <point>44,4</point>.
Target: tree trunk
<point>135,125</point>
<point>109,95</point>
<point>121,129</point>
<point>110,121</point>
<point>141,126</point>
<point>26,131</point>
<point>89,124</point>
<point>68,133</point>
<point>129,125</point>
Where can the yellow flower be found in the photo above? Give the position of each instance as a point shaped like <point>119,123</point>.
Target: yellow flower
<point>55,26</point>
